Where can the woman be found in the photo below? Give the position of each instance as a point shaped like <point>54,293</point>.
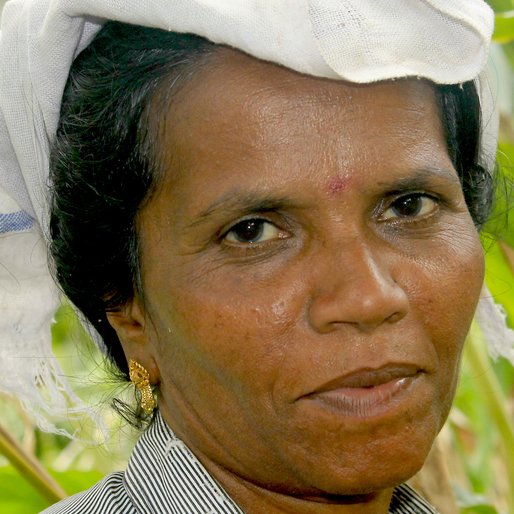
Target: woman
<point>279,256</point>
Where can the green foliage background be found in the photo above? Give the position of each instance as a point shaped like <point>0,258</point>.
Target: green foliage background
<point>479,436</point>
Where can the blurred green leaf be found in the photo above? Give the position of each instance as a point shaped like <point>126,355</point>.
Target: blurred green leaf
<point>492,432</point>
<point>500,278</point>
<point>74,481</point>
<point>473,504</point>
<point>479,509</point>
<point>501,5</point>
<point>501,223</point>
<point>504,28</point>
<point>17,496</point>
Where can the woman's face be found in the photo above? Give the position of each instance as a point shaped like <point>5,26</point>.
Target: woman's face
<point>310,271</point>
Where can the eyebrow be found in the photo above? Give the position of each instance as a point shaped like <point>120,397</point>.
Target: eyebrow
<point>241,202</point>
<point>421,178</point>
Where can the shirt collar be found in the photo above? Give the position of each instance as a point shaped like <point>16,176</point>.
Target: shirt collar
<point>163,474</point>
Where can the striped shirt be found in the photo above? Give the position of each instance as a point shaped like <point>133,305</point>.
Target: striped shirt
<point>164,477</point>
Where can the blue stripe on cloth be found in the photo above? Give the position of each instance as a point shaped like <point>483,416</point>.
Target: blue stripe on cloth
<point>15,222</point>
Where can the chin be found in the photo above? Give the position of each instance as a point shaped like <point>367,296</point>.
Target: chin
<point>375,469</point>
<point>350,487</point>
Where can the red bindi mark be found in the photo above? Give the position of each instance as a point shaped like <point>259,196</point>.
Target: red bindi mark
<point>337,184</point>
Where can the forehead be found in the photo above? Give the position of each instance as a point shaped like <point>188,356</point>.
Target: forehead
<point>239,109</point>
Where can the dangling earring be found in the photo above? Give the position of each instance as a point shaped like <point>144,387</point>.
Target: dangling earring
<point>140,377</point>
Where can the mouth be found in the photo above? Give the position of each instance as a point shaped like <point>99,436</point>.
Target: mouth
<point>368,392</point>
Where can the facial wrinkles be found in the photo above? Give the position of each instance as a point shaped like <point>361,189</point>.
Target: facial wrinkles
<point>273,111</point>
<point>240,323</point>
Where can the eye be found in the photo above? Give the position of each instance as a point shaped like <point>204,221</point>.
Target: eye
<point>252,231</point>
<point>410,206</point>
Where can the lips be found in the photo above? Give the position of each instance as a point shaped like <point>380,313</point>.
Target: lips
<point>366,378</point>
<point>369,392</point>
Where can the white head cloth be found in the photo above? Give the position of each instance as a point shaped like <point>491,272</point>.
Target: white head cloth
<point>446,41</point>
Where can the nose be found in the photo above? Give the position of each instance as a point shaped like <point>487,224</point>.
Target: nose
<point>356,287</point>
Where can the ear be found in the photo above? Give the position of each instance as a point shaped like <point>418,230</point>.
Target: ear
<point>135,334</point>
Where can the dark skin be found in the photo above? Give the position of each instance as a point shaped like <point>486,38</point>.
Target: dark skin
<point>302,266</point>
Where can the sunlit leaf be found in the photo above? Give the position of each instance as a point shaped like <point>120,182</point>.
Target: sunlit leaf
<point>500,279</point>
<point>504,28</point>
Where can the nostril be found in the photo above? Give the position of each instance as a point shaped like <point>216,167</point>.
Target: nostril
<point>395,317</point>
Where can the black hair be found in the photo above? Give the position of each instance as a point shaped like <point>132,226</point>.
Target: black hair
<point>459,106</point>
<point>103,166</point>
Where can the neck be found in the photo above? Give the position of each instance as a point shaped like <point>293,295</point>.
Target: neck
<point>256,499</point>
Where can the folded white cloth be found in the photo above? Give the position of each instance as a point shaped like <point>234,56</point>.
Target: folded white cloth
<point>358,40</point>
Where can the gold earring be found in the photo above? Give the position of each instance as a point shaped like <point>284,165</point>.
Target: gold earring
<point>140,377</point>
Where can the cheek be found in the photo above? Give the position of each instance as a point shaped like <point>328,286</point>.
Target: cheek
<point>445,293</point>
<point>231,328</point>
